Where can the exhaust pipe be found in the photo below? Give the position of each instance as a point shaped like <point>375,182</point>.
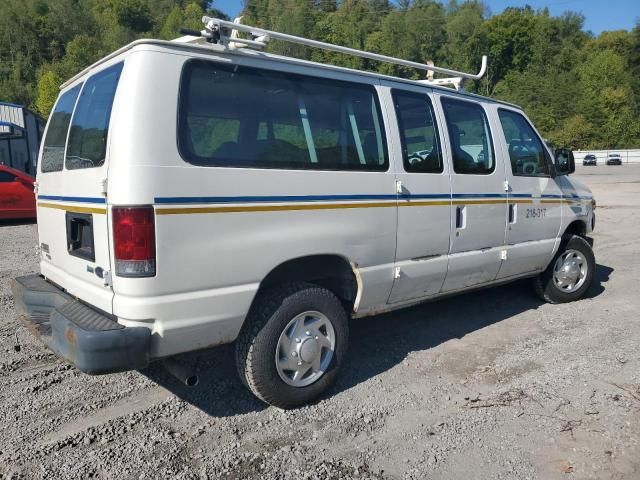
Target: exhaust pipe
<point>182,373</point>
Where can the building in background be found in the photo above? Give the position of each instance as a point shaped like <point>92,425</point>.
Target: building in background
<point>20,135</point>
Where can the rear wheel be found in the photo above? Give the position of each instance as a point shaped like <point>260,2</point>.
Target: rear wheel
<point>570,273</point>
<point>292,344</point>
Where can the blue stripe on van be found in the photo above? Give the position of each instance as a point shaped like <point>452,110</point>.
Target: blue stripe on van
<point>276,198</point>
<point>324,198</point>
<point>73,199</point>
<point>479,195</point>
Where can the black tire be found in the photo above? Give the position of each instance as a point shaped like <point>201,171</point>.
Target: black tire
<point>256,346</point>
<point>546,288</point>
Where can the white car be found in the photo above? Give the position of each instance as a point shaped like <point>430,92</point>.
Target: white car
<point>614,159</point>
<point>193,194</point>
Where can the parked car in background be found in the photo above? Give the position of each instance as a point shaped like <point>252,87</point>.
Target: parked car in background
<point>614,159</point>
<point>17,199</point>
<point>589,160</point>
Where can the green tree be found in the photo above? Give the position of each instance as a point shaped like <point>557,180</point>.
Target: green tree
<point>172,24</point>
<point>47,92</point>
<point>576,132</point>
<point>507,39</point>
<point>415,34</point>
<point>462,23</point>
<point>349,25</point>
<point>133,14</point>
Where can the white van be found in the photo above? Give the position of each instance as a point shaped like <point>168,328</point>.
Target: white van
<point>195,194</point>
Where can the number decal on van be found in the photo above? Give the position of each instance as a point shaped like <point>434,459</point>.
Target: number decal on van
<point>536,212</point>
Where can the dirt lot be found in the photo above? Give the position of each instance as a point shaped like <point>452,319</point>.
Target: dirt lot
<point>494,384</point>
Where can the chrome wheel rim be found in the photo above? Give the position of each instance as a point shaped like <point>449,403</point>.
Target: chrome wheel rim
<point>305,349</point>
<point>570,271</point>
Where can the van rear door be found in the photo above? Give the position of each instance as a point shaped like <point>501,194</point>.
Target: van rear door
<point>72,206</point>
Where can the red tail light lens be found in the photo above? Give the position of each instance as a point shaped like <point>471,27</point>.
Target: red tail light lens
<point>134,241</point>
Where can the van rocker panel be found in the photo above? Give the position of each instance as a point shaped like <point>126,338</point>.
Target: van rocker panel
<point>92,341</point>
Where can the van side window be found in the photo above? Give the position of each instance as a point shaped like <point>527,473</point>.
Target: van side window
<point>90,124</point>
<point>236,116</point>
<point>469,136</point>
<point>418,132</point>
<point>54,142</point>
<point>526,152</point>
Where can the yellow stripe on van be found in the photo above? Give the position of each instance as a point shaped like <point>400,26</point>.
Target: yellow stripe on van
<point>480,202</point>
<point>73,208</point>
<point>272,208</point>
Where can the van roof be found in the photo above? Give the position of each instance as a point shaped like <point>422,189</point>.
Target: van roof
<point>211,48</point>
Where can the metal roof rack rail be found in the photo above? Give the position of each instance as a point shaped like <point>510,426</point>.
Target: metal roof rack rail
<point>223,32</point>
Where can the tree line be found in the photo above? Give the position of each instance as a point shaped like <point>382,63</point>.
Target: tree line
<point>581,90</point>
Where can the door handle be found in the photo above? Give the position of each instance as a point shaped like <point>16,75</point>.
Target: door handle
<point>461,213</point>
<point>512,213</point>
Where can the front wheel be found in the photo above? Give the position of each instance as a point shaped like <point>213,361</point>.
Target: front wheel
<point>570,273</point>
<point>292,344</point>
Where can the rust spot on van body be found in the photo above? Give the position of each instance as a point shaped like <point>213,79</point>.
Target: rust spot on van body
<point>70,335</point>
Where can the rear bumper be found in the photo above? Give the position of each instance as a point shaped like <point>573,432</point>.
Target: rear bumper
<point>93,341</point>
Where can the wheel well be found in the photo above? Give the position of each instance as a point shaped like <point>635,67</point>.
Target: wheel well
<point>332,272</point>
<point>577,227</point>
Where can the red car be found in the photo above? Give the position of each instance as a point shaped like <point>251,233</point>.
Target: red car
<point>17,199</point>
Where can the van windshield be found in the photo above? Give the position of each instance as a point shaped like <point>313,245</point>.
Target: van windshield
<point>236,116</point>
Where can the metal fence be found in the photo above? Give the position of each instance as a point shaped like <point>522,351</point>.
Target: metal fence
<point>628,156</point>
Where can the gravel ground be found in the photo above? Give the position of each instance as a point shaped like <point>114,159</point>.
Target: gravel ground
<point>493,384</point>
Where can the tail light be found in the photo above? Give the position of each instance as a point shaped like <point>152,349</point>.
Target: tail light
<point>134,241</point>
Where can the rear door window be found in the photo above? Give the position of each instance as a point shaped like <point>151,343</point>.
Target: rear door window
<point>235,116</point>
<point>418,132</point>
<point>469,136</point>
<point>90,124</point>
<point>54,142</point>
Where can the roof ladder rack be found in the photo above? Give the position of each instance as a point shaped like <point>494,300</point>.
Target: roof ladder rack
<point>226,33</point>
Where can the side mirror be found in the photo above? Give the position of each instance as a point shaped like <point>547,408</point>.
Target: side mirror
<point>564,161</point>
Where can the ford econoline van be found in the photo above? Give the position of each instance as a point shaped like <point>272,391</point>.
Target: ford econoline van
<point>195,193</point>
